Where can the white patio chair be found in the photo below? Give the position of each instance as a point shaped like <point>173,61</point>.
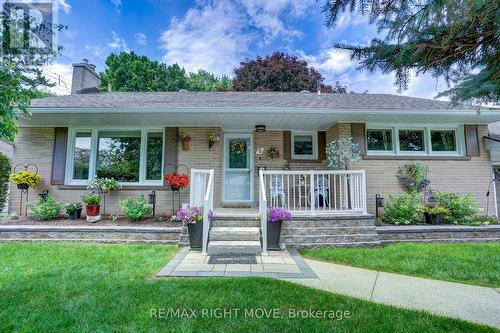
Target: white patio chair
<point>276,191</point>
<point>321,190</point>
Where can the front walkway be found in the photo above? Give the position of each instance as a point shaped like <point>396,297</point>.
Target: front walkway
<point>473,303</point>
<point>468,302</point>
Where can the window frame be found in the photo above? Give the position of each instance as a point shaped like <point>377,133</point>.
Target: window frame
<point>314,155</point>
<point>93,154</point>
<point>396,151</point>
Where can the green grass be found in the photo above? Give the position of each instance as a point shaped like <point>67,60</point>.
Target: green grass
<point>472,263</point>
<point>49,287</point>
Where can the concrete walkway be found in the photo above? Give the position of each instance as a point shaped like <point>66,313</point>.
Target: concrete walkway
<point>473,303</point>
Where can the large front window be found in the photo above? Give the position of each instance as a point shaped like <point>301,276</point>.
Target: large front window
<point>304,146</point>
<point>129,156</point>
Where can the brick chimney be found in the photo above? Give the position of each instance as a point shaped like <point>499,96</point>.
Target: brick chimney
<point>85,78</point>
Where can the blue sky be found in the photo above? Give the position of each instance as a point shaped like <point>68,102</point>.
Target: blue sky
<point>217,34</point>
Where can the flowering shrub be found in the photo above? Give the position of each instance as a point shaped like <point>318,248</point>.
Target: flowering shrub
<point>342,153</point>
<point>177,180</point>
<point>25,177</point>
<point>103,185</point>
<point>46,209</point>
<point>192,215</point>
<point>275,215</point>
<point>404,209</point>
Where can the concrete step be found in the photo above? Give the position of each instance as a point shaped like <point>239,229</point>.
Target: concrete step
<point>234,234</point>
<point>234,247</point>
<point>334,221</point>
<point>298,231</point>
<point>235,222</point>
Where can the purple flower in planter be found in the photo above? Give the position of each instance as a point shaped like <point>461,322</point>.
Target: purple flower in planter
<point>193,215</point>
<point>275,215</point>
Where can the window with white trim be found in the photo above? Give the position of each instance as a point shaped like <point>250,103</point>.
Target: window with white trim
<point>415,140</point>
<point>129,156</point>
<point>304,145</point>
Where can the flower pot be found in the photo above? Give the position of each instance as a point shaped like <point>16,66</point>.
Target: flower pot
<point>23,186</point>
<point>433,218</point>
<point>92,210</point>
<point>79,213</point>
<point>195,235</point>
<point>185,145</point>
<point>273,235</point>
<point>73,215</point>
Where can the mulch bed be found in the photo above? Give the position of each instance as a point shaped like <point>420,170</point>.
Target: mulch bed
<point>122,221</point>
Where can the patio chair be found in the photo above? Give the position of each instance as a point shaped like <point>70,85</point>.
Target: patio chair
<point>321,192</point>
<point>276,191</point>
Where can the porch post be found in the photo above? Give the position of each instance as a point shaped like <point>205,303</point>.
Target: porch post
<point>311,190</point>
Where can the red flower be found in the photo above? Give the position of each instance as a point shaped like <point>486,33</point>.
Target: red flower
<point>177,180</point>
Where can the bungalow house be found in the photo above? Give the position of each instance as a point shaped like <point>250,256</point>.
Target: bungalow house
<point>271,149</point>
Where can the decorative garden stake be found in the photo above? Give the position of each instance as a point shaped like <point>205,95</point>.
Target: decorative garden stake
<point>25,179</point>
<point>343,153</point>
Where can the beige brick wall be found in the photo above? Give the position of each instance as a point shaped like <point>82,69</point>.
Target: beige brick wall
<point>35,145</point>
<point>199,156</point>
<point>471,176</point>
<point>460,176</point>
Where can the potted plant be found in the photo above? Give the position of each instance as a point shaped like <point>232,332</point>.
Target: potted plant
<point>92,201</point>
<point>103,186</point>
<point>184,139</point>
<point>72,210</point>
<point>213,138</point>
<point>413,176</point>
<point>275,218</point>
<point>177,181</point>
<point>435,214</point>
<point>193,217</point>
<point>25,179</point>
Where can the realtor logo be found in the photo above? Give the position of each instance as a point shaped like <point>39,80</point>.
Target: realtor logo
<point>28,25</point>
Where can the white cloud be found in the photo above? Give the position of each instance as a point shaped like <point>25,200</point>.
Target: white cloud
<point>117,42</point>
<point>329,60</point>
<point>216,35</point>
<point>209,37</point>
<point>140,38</point>
<point>118,4</point>
<point>64,5</point>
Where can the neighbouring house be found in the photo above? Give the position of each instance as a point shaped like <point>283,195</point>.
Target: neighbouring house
<point>132,137</point>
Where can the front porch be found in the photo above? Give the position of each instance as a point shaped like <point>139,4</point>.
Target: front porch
<point>333,202</point>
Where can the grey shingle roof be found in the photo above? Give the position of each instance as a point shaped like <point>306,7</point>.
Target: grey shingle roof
<point>166,100</point>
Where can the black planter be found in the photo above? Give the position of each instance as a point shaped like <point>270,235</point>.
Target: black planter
<point>79,213</point>
<point>174,189</point>
<point>433,218</point>
<point>273,235</point>
<point>73,216</point>
<point>195,235</point>
<point>23,186</point>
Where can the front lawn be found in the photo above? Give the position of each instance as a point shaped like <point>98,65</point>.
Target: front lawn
<point>54,287</point>
<point>473,263</point>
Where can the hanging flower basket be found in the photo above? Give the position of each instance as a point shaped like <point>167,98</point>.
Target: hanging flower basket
<point>177,181</point>
<point>238,147</point>
<point>184,139</point>
<point>272,153</point>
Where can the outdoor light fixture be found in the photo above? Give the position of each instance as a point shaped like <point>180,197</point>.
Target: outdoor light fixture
<point>152,200</point>
<point>43,195</point>
<point>379,203</point>
<point>260,128</point>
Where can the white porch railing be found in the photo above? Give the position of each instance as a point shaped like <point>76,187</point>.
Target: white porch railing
<point>263,212</point>
<point>314,192</point>
<point>201,194</point>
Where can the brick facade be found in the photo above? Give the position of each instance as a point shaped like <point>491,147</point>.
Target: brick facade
<point>35,145</point>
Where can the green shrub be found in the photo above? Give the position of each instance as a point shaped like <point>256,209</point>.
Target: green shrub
<point>136,209</point>
<point>46,209</point>
<point>483,219</point>
<point>4,179</point>
<point>403,209</point>
<point>462,209</point>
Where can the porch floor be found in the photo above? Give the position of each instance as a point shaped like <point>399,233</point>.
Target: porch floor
<point>277,264</point>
